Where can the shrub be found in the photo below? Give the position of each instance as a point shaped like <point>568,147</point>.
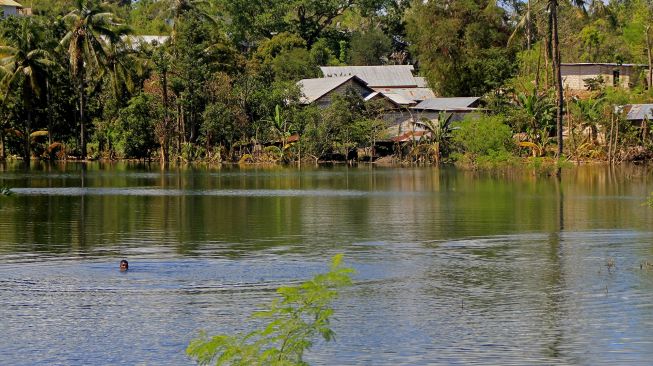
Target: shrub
<point>135,130</point>
<point>483,140</point>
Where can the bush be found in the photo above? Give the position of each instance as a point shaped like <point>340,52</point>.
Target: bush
<point>135,129</point>
<point>484,140</point>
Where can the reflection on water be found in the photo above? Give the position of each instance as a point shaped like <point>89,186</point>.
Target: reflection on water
<point>453,267</point>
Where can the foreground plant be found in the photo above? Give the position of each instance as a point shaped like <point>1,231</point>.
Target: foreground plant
<point>294,321</point>
<point>5,191</point>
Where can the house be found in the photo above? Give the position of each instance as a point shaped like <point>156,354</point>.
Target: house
<point>394,76</point>
<point>394,81</point>
<point>405,129</point>
<point>151,40</point>
<point>10,7</point>
<point>641,116</point>
<point>575,76</point>
<point>321,91</point>
<point>407,99</point>
<point>639,112</point>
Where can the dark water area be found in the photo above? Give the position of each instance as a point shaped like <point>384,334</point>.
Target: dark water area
<point>453,267</point>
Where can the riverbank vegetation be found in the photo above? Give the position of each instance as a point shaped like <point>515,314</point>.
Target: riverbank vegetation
<point>77,82</point>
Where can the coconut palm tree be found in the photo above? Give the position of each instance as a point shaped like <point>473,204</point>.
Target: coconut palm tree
<point>123,66</point>
<point>25,65</point>
<point>178,8</point>
<point>90,26</point>
<point>555,55</point>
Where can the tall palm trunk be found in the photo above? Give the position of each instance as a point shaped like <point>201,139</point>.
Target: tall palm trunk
<point>28,124</point>
<point>82,121</point>
<point>28,128</point>
<point>557,73</point>
<point>650,58</point>
<point>2,144</point>
<point>165,134</point>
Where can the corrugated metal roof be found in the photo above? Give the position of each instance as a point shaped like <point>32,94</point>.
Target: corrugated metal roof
<point>149,39</point>
<point>10,3</point>
<point>447,104</point>
<point>375,76</point>
<point>416,94</point>
<point>639,112</point>
<point>399,99</point>
<point>314,89</point>
<point>600,64</point>
<point>421,82</point>
<point>394,98</point>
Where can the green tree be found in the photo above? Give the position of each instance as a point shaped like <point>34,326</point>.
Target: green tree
<point>294,320</point>
<point>135,130</point>
<point>179,9</point>
<point>25,65</point>
<point>371,47</point>
<point>461,45</point>
<point>90,25</point>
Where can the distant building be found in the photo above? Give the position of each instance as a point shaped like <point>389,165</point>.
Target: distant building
<point>408,100</point>
<point>454,109</point>
<point>394,81</point>
<point>639,112</point>
<point>575,76</point>
<point>321,91</point>
<point>151,40</point>
<point>641,116</point>
<point>10,7</point>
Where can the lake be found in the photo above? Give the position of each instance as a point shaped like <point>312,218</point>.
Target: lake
<point>453,267</point>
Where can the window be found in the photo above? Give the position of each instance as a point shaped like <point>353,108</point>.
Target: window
<point>615,78</point>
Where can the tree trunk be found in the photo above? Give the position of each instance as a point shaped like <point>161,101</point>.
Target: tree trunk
<point>650,57</point>
<point>557,73</point>
<point>2,144</point>
<point>28,127</point>
<point>165,137</point>
<point>82,122</point>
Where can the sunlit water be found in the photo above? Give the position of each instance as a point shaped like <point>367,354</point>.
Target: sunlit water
<point>452,267</point>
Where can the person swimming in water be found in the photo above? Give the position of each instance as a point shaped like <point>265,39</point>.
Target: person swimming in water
<point>124,265</point>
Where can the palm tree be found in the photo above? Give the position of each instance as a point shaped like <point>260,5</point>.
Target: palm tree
<point>25,65</point>
<point>90,25</point>
<point>591,113</point>
<point>437,138</point>
<point>178,8</point>
<point>123,65</point>
<point>555,55</point>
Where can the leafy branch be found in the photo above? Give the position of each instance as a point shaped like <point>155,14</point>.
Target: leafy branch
<point>301,313</point>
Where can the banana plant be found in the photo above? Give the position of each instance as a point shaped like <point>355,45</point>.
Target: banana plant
<point>590,111</point>
<point>436,138</point>
<point>281,128</point>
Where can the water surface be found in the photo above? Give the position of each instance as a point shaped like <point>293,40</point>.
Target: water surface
<point>452,267</point>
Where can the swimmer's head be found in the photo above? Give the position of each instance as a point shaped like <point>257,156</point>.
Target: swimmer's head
<point>124,265</point>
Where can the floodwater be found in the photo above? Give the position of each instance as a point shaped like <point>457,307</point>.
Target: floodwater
<point>453,267</point>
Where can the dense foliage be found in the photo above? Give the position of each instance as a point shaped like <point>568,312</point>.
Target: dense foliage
<point>222,87</point>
